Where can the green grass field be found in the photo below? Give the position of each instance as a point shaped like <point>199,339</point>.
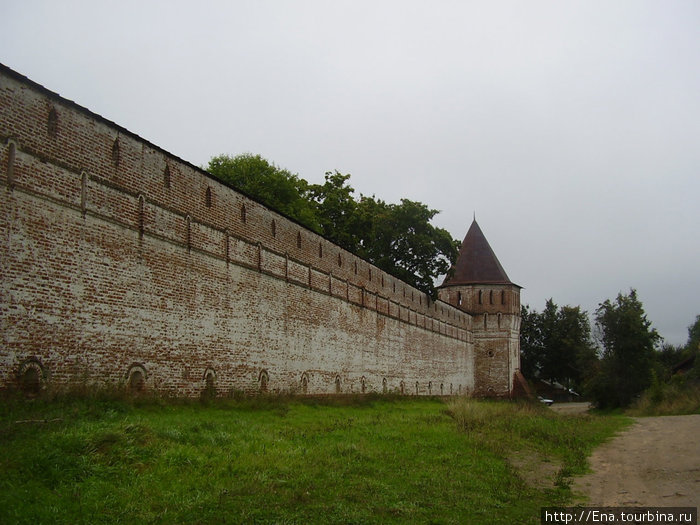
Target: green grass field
<point>264,460</point>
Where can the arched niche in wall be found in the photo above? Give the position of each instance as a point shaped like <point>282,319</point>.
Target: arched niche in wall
<point>209,379</point>
<point>136,378</point>
<point>263,380</point>
<point>32,376</point>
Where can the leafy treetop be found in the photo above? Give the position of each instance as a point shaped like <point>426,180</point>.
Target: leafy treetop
<point>398,238</point>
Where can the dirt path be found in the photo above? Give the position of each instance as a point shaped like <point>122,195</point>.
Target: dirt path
<point>655,462</point>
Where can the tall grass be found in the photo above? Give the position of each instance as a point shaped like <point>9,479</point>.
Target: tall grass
<point>675,398</point>
<point>509,427</point>
<point>269,460</point>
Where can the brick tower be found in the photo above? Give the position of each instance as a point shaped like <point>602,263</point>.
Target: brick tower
<point>478,284</point>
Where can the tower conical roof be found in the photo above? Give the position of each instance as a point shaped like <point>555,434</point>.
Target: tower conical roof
<point>476,262</point>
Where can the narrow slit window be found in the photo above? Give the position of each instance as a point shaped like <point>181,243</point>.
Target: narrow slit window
<point>115,153</point>
<point>166,176</point>
<point>52,123</point>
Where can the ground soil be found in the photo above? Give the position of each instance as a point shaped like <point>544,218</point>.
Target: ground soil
<point>655,462</point>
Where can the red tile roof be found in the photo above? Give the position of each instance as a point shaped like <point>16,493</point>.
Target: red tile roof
<point>476,263</point>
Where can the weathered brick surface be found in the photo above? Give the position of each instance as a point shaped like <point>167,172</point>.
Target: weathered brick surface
<point>118,256</point>
<point>495,311</point>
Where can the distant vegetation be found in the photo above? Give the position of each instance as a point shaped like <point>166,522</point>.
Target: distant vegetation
<point>267,460</point>
<point>398,238</point>
<point>622,364</point>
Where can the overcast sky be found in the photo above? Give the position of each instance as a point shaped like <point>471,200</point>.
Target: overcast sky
<point>571,128</point>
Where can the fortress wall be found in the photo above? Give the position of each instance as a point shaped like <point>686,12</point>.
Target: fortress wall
<point>496,353</point>
<point>495,315</point>
<point>116,254</point>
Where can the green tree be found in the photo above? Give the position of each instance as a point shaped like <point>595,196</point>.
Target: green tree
<point>397,238</point>
<point>275,187</point>
<point>667,357</point>
<point>578,349</point>
<point>336,209</point>
<point>531,345</point>
<point>693,344</point>
<point>692,351</point>
<point>556,344</point>
<point>627,351</point>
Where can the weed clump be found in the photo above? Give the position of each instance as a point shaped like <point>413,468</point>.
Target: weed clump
<point>678,397</point>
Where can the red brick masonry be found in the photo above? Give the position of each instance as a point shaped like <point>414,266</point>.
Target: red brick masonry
<point>118,257</point>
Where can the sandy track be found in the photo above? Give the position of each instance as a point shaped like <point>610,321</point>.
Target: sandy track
<point>655,462</point>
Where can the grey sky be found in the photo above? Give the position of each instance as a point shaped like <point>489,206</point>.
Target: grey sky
<point>571,128</point>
